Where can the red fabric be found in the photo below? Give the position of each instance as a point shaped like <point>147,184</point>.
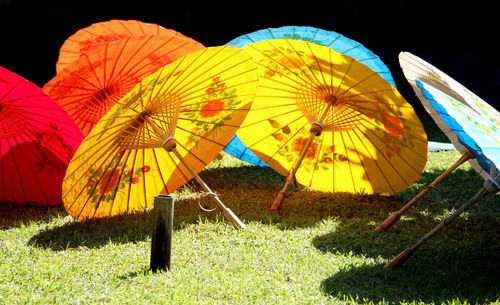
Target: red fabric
<point>37,140</point>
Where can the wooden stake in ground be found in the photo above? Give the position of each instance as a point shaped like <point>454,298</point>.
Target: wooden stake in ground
<point>161,241</point>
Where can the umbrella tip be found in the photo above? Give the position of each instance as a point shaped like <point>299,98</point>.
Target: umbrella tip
<point>400,259</point>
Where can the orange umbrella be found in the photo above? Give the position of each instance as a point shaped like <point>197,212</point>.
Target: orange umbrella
<point>98,34</point>
<point>88,88</point>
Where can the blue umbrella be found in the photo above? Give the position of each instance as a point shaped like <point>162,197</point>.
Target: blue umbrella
<point>466,128</point>
<point>470,123</point>
<point>330,39</point>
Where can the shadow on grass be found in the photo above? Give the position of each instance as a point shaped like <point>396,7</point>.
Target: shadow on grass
<point>96,233</point>
<point>461,262</point>
<point>247,191</point>
<point>464,283</point>
<point>15,215</point>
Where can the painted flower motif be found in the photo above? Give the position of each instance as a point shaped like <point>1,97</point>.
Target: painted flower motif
<point>103,185</point>
<point>435,76</point>
<point>300,142</point>
<point>212,113</point>
<point>109,181</point>
<point>211,109</point>
<point>101,39</point>
<point>291,63</point>
<point>156,60</point>
<point>392,124</point>
<point>278,136</point>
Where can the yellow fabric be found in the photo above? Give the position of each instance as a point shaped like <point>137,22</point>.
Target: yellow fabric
<point>372,140</point>
<point>199,100</point>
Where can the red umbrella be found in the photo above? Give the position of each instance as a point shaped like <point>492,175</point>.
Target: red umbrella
<point>37,140</point>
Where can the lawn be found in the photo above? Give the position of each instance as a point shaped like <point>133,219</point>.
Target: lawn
<point>320,249</point>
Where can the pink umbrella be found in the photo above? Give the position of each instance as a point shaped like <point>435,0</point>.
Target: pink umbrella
<point>37,140</point>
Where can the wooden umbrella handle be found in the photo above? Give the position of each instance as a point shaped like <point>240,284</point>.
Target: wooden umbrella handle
<point>405,255</point>
<point>235,221</point>
<point>391,220</point>
<point>278,201</point>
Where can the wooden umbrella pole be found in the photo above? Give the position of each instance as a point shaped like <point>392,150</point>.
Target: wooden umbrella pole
<point>235,221</point>
<point>391,220</point>
<point>406,254</point>
<point>278,201</point>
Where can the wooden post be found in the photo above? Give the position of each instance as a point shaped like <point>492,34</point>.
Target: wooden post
<point>161,242</point>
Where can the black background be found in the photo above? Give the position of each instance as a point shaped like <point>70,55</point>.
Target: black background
<point>460,39</point>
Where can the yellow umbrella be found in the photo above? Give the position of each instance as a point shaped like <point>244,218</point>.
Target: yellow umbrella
<point>330,122</point>
<point>190,108</point>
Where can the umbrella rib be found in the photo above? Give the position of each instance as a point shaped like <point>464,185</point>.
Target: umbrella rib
<point>349,159</point>
<point>204,138</point>
<point>272,106</point>
<point>284,144</point>
<point>134,152</point>
<point>96,183</point>
<point>12,88</point>
<point>185,99</point>
<point>182,174</point>
<point>372,158</point>
<point>317,81</point>
<point>3,196</point>
<point>388,161</point>
<point>99,84</point>
<point>277,62</point>
<point>122,24</point>
<point>193,87</point>
<point>159,171</point>
<point>144,183</point>
<point>403,159</point>
<point>122,70</point>
<point>30,130</point>
<point>408,147</point>
<point>115,191</point>
<point>334,40</point>
<point>70,135</point>
<point>317,160</point>
<point>30,166</point>
<point>88,155</point>
<point>19,179</point>
<point>213,123</point>
<point>271,117</point>
<point>195,156</point>
<point>269,135</point>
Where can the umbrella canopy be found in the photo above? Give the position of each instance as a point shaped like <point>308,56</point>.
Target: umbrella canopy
<point>330,121</point>
<point>88,87</point>
<point>37,140</point>
<point>472,125</point>
<point>469,122</point>
<point>190,108</point>
<point>100,33</point>
<point>314,35</point>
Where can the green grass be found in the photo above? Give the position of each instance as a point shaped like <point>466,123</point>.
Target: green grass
<point>320,249</point>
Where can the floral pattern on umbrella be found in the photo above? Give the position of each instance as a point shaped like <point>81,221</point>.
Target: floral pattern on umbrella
<point>331,122</point>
